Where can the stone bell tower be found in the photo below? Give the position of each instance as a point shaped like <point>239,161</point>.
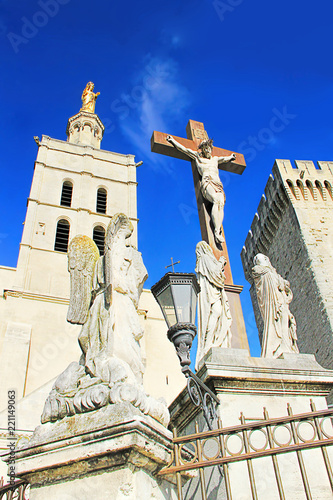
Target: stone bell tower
<point>76,188</point>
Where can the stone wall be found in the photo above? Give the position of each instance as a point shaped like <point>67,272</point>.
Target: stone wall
<point>36,341</point>
<point>293,226</point>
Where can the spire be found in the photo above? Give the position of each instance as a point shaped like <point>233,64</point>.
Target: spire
<point>86,128</point>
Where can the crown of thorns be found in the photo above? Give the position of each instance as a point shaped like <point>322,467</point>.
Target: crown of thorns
<point>206,142</point>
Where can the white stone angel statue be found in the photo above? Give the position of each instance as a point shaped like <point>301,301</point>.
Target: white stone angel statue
<point>104,298</point>
<point>274,296</point>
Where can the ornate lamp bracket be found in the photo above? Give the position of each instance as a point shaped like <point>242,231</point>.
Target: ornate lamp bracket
<point>182,335</point>
<point>202,397</point>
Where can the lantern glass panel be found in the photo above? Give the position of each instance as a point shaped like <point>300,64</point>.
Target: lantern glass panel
<point>193,306</point>
<point>166,303</point>
<point>182,297</point>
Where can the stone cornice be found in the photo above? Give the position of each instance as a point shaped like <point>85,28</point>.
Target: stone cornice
<point>79,209</point>
<point>47,146</point>
<point>85,172</point>
<point>7,268</point>
<point>233,371</point>
<point>20,294</point>
<point>233,288</point>
<point>20,433</point>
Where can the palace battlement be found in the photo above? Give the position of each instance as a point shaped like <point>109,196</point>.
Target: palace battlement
<point>266,220</point>
<point>303,185</point>
<point>292,227</point>
<point>306,182</point>
<point>324,168</point>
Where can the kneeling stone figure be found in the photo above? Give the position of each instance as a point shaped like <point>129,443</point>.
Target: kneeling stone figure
<point>104,298</point>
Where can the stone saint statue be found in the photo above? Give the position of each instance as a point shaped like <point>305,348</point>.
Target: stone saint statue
<point>89,98</point>
<point>211,185</point>
<point>274,296</point>
<point>104,298</point>
<point>214,318</point>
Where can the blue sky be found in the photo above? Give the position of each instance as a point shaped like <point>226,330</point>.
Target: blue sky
<point>233,64</point>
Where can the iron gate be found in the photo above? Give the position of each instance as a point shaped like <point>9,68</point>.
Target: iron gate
<point>189,452</point>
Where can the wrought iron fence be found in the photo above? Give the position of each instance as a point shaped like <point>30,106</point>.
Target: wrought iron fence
<point>190,452</point>
<point>16,491</point>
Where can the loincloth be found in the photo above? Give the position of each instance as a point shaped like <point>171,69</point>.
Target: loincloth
<point>208,181</point>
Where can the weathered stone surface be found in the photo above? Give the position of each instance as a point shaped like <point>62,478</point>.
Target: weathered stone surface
<point>16,345</point>
<point>114,452</point>
<point>214,317</point>
<point>105,294</point>
<point>293,226</point>
<point>36,293</point>
<point>248,385</point>
<point>274,296</point>
<point>245,383</point>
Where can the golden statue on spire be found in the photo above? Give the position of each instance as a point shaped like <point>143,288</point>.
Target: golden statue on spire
<point>89,98</point>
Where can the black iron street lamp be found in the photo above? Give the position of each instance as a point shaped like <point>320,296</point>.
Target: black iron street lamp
<point>176,294</point>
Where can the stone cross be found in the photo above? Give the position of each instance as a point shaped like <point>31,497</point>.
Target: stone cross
<point>195,134</point>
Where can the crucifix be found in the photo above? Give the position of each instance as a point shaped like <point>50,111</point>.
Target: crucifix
<point>205,160</point>
<point>172,264</point>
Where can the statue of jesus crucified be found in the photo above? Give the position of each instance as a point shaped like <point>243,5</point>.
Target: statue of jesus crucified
<point>211,185</point>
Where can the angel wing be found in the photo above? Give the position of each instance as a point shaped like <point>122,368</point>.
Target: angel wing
<point>82,257</point>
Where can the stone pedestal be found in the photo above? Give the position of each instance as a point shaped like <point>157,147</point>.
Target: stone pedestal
<point>86,129</point>
<point>248,385</point>
<point>114,452</point>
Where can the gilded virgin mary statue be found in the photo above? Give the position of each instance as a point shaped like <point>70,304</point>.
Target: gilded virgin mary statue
<point>89,98</point>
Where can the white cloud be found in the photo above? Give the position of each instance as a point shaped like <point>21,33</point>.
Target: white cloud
<point>160,102</point>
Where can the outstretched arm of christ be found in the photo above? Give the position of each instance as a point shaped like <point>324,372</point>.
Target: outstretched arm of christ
<point>189,152</point>
<point>226,159</point>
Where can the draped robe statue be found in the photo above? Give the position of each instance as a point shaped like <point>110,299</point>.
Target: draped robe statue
<point>214,318</point>
<point>274,296</point>
<point>104,298</point>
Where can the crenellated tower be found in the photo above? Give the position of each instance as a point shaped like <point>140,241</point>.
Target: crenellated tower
<point>294,227</point>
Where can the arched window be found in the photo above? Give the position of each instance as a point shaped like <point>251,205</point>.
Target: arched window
<point>99,238</point>
<point>328,187</point>
<point>62,236</point>
<point>301,188</point>
<point>66,194</point>
<point>309,185</point>
<point>101,201</point>
<point>291,187</point>
<point>320,189</point>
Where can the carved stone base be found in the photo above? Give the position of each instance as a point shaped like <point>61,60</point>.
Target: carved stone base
<point>114,452</point>
<point>75,392</point>
<point>247,385</point>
